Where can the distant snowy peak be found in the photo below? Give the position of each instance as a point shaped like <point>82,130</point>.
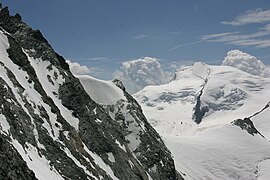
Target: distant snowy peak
<point>246,62</point>
<point>219,94</point>
<point>201,70</point>
<point>198,70</point>
<point>231,110</point>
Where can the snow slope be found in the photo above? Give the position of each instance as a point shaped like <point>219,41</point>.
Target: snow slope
<point>263,170</point>
<point>169,107</point>
<point>224,152</point>
<point>215,148</point>
<point>262,122</point>
<point>231,93</point>
<point>102,92</point>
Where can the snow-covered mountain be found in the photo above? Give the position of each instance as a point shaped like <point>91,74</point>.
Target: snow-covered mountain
<point>56,126</point>
<point>215,121</point>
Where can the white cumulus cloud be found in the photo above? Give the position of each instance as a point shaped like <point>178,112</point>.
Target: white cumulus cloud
<point>78,69</point>
<point>136,74</point>
<point>246,62</point>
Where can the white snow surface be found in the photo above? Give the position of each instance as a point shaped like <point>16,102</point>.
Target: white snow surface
<point>264,170</point>
<point>201,70</point>
<point>4,125</point>
<point>246,62</point>
<point>224,152</point>
<point>262,123</point>
<point>213,149</point>
<point>169,107</point>
<point>98,160</point>
<point>39,165</point>
<point>102,92</point>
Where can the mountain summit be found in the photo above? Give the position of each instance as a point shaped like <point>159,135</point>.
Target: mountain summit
<point>52,127</point>
<point>215,121</point>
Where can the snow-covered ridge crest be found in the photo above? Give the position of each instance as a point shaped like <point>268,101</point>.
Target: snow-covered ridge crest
<point>201,70</point>
<point>198,70</point>
<point>102,92</point>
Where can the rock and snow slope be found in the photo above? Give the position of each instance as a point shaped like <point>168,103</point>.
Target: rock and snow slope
<point>223,144</point>
<point>53,127</point>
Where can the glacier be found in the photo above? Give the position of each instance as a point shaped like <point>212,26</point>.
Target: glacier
<point>221,145</point>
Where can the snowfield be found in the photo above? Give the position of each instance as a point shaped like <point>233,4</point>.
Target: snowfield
<point>215,148</point>
<point>102,92</point>
<point>224,152</point>
<point>263,170</point>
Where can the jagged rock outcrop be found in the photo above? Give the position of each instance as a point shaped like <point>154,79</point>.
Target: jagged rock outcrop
<point>247,124</point>
<point>55,130</point>
<point>201,71</point>
<point>151,151</point>
<point>199,110</point>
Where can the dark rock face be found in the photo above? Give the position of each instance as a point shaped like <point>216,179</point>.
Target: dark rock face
<point>77,137</point>
<point>119,84</point>
<point>12,165</point>
<point>247,124</point>
<point>199,110</point>
<point>151,150</point>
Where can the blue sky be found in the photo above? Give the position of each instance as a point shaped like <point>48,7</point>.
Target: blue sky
<point>103,33</point>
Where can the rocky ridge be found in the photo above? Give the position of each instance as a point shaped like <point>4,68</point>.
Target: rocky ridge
<point>49,122</point>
